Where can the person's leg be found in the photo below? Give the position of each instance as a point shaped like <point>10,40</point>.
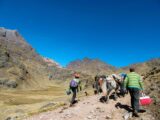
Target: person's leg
<point>74,90</point>
<point>132,99</point>
<point>134,92</point>
<point>136,99</point>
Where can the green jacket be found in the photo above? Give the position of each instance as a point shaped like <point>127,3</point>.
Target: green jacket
<point>133,80</point>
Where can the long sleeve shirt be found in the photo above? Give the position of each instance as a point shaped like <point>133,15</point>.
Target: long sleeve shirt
<point>133,80</point>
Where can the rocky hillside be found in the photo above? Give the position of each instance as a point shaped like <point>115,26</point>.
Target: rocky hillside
<point>141,68</point>
<point>91,66</point>
<point>151,72</point>
<point>96,66</point>
<point>22,67</point>
<point>152,83</point>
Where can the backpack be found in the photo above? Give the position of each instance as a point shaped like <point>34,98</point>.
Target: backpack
<point>73,83</point>
<point>68,92</point>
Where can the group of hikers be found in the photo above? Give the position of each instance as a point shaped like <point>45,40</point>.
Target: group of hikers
<point>116,85</point>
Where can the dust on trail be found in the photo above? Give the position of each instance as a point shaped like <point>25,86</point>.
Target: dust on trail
<point>89,108</point>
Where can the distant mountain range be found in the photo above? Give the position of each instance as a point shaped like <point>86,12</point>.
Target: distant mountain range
<point>91,66</point>
<point>96,66</point>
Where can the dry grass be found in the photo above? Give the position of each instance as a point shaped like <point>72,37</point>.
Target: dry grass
<point>29,101</point>
<point>32,102</point>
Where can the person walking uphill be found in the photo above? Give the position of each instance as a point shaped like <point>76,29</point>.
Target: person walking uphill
<point>134,85</point>
<point>74,86</point>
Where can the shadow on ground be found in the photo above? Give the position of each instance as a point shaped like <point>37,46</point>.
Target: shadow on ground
<point>121,106</point>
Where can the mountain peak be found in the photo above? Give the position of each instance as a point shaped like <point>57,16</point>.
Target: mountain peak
<point>90,66</point>
<point>51,62</point>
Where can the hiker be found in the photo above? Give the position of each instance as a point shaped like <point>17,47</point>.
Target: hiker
<point>74,86</point>
<point>134,85</point>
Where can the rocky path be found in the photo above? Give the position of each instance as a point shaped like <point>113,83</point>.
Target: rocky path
<point>90,108</point>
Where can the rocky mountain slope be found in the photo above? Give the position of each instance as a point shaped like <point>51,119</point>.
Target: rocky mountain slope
<point>96,66</point>
<point>143,67</point>
<point>22,67</point>
<point>91,66</point>
<point>152,83</point>
<point>150,71</point>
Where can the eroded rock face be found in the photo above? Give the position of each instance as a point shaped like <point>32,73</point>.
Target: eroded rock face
<point>18,61</point>
<point>4,57</point>
<point>152,85</point>
<point>11,35</point>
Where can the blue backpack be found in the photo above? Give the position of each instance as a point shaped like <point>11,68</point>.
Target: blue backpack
<point>73,83</point>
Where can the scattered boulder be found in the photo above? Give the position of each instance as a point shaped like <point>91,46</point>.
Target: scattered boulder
<point>5,82</point>
<point>15,116</point>
<point>11,84</point>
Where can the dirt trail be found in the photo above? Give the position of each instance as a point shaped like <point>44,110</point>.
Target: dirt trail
<point>90,108</point>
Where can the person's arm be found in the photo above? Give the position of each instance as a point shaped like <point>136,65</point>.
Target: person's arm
<point>126,82</point>
<point>80,85</point>
<point>141,83</point>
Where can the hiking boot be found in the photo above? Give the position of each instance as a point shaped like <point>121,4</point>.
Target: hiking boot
<point>71,105</point>
<point>135,114</point>
<point>76,101</point>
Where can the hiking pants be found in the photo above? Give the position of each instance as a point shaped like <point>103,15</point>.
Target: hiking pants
<point>74,91</point>
<point>134,93</point>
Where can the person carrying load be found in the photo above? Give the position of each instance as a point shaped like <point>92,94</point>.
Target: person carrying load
<point>75,86</point>
<point>134,84</point>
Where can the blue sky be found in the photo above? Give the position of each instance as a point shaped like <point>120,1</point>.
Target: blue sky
<point>119,32</point>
